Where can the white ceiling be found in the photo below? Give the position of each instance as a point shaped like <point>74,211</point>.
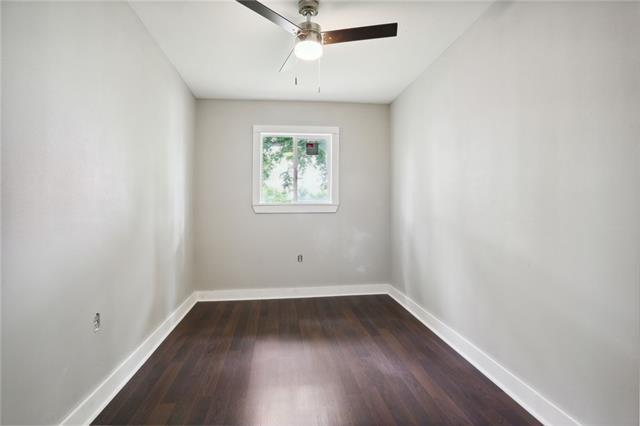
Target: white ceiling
<point>224,50</point>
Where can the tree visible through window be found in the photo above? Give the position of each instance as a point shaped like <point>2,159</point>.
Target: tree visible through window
<point>295,169</point>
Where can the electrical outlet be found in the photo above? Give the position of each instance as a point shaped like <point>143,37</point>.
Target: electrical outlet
<point>299,258</point>
<point>96,322</point>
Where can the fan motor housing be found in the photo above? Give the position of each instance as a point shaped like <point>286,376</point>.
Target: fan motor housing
<point>310,31</point>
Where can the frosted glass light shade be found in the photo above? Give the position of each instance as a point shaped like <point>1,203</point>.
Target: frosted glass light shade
<point>308,50</point>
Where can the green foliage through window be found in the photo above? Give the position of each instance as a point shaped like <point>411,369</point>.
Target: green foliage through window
<point>289,175</point>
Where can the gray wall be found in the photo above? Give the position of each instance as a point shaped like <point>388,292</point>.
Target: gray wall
<point>97,145</point>
<point>236,248</point>
<point>515,198</point>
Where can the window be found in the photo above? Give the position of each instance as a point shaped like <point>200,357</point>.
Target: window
<point>295,169</point>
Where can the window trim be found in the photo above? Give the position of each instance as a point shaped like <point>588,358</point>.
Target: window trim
<point>330,207</point>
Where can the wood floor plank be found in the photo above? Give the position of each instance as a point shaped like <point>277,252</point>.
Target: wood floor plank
<point>353,360</point>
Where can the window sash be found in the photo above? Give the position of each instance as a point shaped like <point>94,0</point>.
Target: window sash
<point>296,139</point>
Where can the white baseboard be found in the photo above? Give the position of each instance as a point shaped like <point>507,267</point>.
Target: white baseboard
<point>93,404</point>
<point>531,400</point>
<point>293,292</point>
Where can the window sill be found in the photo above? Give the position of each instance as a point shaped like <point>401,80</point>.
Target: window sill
<point>295,208</point>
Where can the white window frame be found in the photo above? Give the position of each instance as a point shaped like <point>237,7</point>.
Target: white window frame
<point>332,205</point>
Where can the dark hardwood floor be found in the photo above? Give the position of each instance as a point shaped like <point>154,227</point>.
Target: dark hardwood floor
<point>321,361</point>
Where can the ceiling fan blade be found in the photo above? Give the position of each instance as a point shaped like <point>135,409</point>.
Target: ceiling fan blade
<point>271,15</point>
<point>287,62</point>
<point>360,33</point>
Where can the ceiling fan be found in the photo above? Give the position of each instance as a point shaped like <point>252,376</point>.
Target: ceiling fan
<point>309,36</point>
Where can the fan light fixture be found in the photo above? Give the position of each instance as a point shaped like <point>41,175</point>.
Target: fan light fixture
<point>309,42</point>
<point>308,50</point>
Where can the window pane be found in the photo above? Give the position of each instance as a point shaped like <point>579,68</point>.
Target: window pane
<point>313,179</point>
<point>277,169</point>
